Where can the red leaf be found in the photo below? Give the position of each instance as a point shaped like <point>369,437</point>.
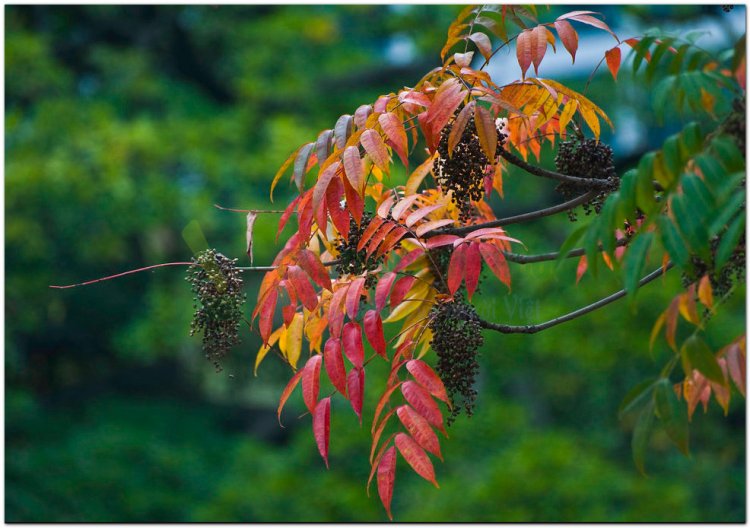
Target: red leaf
<point>581,269</point>
<point>311,381</point>
<point>370,230</point>
<point>423,403</point>
<point>309,262</point>
<point>374,332</point>
<point>456,268</point>
<point>524,50</point>
<point>353,297</point>
<point>402,205</point>
<point>427,378</point>
<point>496,262</point>
<point>568,36</point>
<point>353,168</point>
<point>321,423</point>
<point>408,259</point>
<point>473,268</point>
<point>736,364</point>
<point>613,60</point>
<point>353,347</point>
<point>447,99</point>
<point>336,312</point>
<point>265,322</point>
<point>441,240</point>
<point>591,21</point>
<point>302,286</point>
<point>321,186</point>
<point>394,131</point>
<point>403,285</point>
<point>459,125</point>
<point>382,289</point>
<point>487,131</point>
<point>355,383</point>
<point>419,429</point>
<point>391,240</point>
<point>287,214</point>
<point>334,363</point>
<point>416,457</point>
<point>539,46</point>
<point>376,149</point>
<point>387,478</point>
<point>354,202</point>
<point>288,392</point>
<point>379,236</point>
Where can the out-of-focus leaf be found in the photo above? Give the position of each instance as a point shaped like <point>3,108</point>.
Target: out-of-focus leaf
<point>672,415</point>
<point>635,260</point>
<point>695,354</point>
<point>641,435</point>
<point>636,396</point>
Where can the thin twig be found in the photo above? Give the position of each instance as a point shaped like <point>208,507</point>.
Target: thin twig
<point>271,268</point>
<point>256,211</point>
<point>533,329</point>
<point>130,272</point>
<point>544,173</point>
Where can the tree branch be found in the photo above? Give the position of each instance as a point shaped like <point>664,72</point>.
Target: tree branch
<point>533,329</point>
<point>544,173</point>
<point>543,257</point>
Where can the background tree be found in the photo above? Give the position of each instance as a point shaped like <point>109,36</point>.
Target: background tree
<point>501,383</point>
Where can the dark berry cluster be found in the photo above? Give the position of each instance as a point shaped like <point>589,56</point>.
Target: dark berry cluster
<point>462,172</point>
<point>590,159</point>
<point>355,262</point>
<point>722,279</point>
<point>456,337</point>
<point>727,7</point>
<point>734,124</point>
<point>218,303</point>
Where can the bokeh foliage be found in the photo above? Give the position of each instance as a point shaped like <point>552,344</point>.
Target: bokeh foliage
<point>123,124</point>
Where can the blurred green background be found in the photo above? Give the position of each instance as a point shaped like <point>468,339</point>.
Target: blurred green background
<point>123,124</point>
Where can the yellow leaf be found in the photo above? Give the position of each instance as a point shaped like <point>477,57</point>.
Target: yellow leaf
<point>567,113</point>
<point>282,170</point>
<point>589,115</point>
<point>416,177</point>
<point>293,339</point>
<point>705,293</point>
<point>655,330</point>
<point>273,338</point>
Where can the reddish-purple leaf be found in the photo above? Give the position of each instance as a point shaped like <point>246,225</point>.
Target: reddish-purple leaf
<point>420,399</point>
<point>403,285</point>
<point>319,191</point>
<point>456,268</point>
<point>568,36</point>
<point>420,213</point>
<point>387,478</point>
<point>288,392</point>
<point>323,146</point>
<point>310,262</point>
<point>416,457</point>
<point>352,341</point>
<point>336,311</point>
<point>321,423</point>
<point>353,297</point>
<point>441,240</point>
<point>265,322</point>
<point>334,363</point>
<point>427,378</point>
<point>473,267</point>
<point>496,262</point>
<point>342,130</point>
<point>735,357</point>
<point>355,383</point>
<point>376,149</point>
<point>431,226</point>
<point>613,56</point>
<point>374,332</point>
<point>524,50</point>
<point>311,381</point>
<point>382,290</point>
<point>361,115</point>
<point>419,430</point>
<point>300,165</point>
<point>353,168</point>
<point>394,131</point>
<point>302,286</point>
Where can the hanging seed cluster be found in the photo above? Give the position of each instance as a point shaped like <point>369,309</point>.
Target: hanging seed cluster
<point>456,337</point>
<point>734,124</point>
<point>587,158</point>
<point>722,279</point>
<point>218,303</point>
<point>355,262</point>
<point>463,170</point>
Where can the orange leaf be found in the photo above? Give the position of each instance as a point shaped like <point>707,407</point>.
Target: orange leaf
<point>353,297</point>
<point>416,457</point>
<point>582,267</point>
<point>288,392</point>
<point>374,332</point>
<point>568,36</point>
<point>391,240</point>
<point>486,130</point>
<point>705,293</point>
<point>420,399</point>
<point>473,268</point>
<point>613,60</point>
<point>394,131</point>
<point>427,378</point>
<point>355,383</point>
<point>353,168</point>
<point>416,177</point>
<point>321,423</point>
<point>419,429</point>
<point>447,99</point>
<point>484,45</point>
<point>378,433</point>
<point>370,230</point>
<point>456,268</point>
<point>524,50</point>
<point>334,363</point>
<point>496,262</point>
<point>538,46</point>
<point>379,236</point>
<point>282,170</point>
<point>382,290</point>
<point>352,341</point>
<point>376,149</point>
<point>311,381</point>
<point>387,478</point>
<point>403,285</point>
<point>302,286</point>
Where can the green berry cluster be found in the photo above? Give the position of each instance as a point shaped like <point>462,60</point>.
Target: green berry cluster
<point>587,158</point>
<point>456,337</point>
<point>218,303</point>
<point>355,262</point>
<point>463,171</point>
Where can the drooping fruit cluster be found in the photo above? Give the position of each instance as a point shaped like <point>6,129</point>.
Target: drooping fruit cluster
<point>734,124</point>
<point>587,158</point>
<point>355,262</point>
<point>218,303</point>
<point>456,337</point>
<point>722,279</point>
<point>463,170</point>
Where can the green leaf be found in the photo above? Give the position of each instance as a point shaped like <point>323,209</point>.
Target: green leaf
<point>696,355</point>
<point>610,220</point>
<point>571,242</point>
<point>644,192</point>
<point>641,49</point>
<point>591,245</point>
<point>712,171</point>
<point>672,241</point>
<point>727,212</point>
<point>729,241</point>
<point>672,415</point>
<point>692,138</point>
<point>635,259</point>
<point>673,158</point>
<point>641,434</point>
<point>627,194</point>
<point>727,151</point>
<point>694,231</point>
<point>699,198</point>
<point>636,396</point>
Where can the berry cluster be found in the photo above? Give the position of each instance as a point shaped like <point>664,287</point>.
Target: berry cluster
<point>218,303</point>
<point>456,337</point>
<point>462,172</point>
<point>734,124</point>
<point>355,262</point>
<point>722,279</point>
<point>586,158</point>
